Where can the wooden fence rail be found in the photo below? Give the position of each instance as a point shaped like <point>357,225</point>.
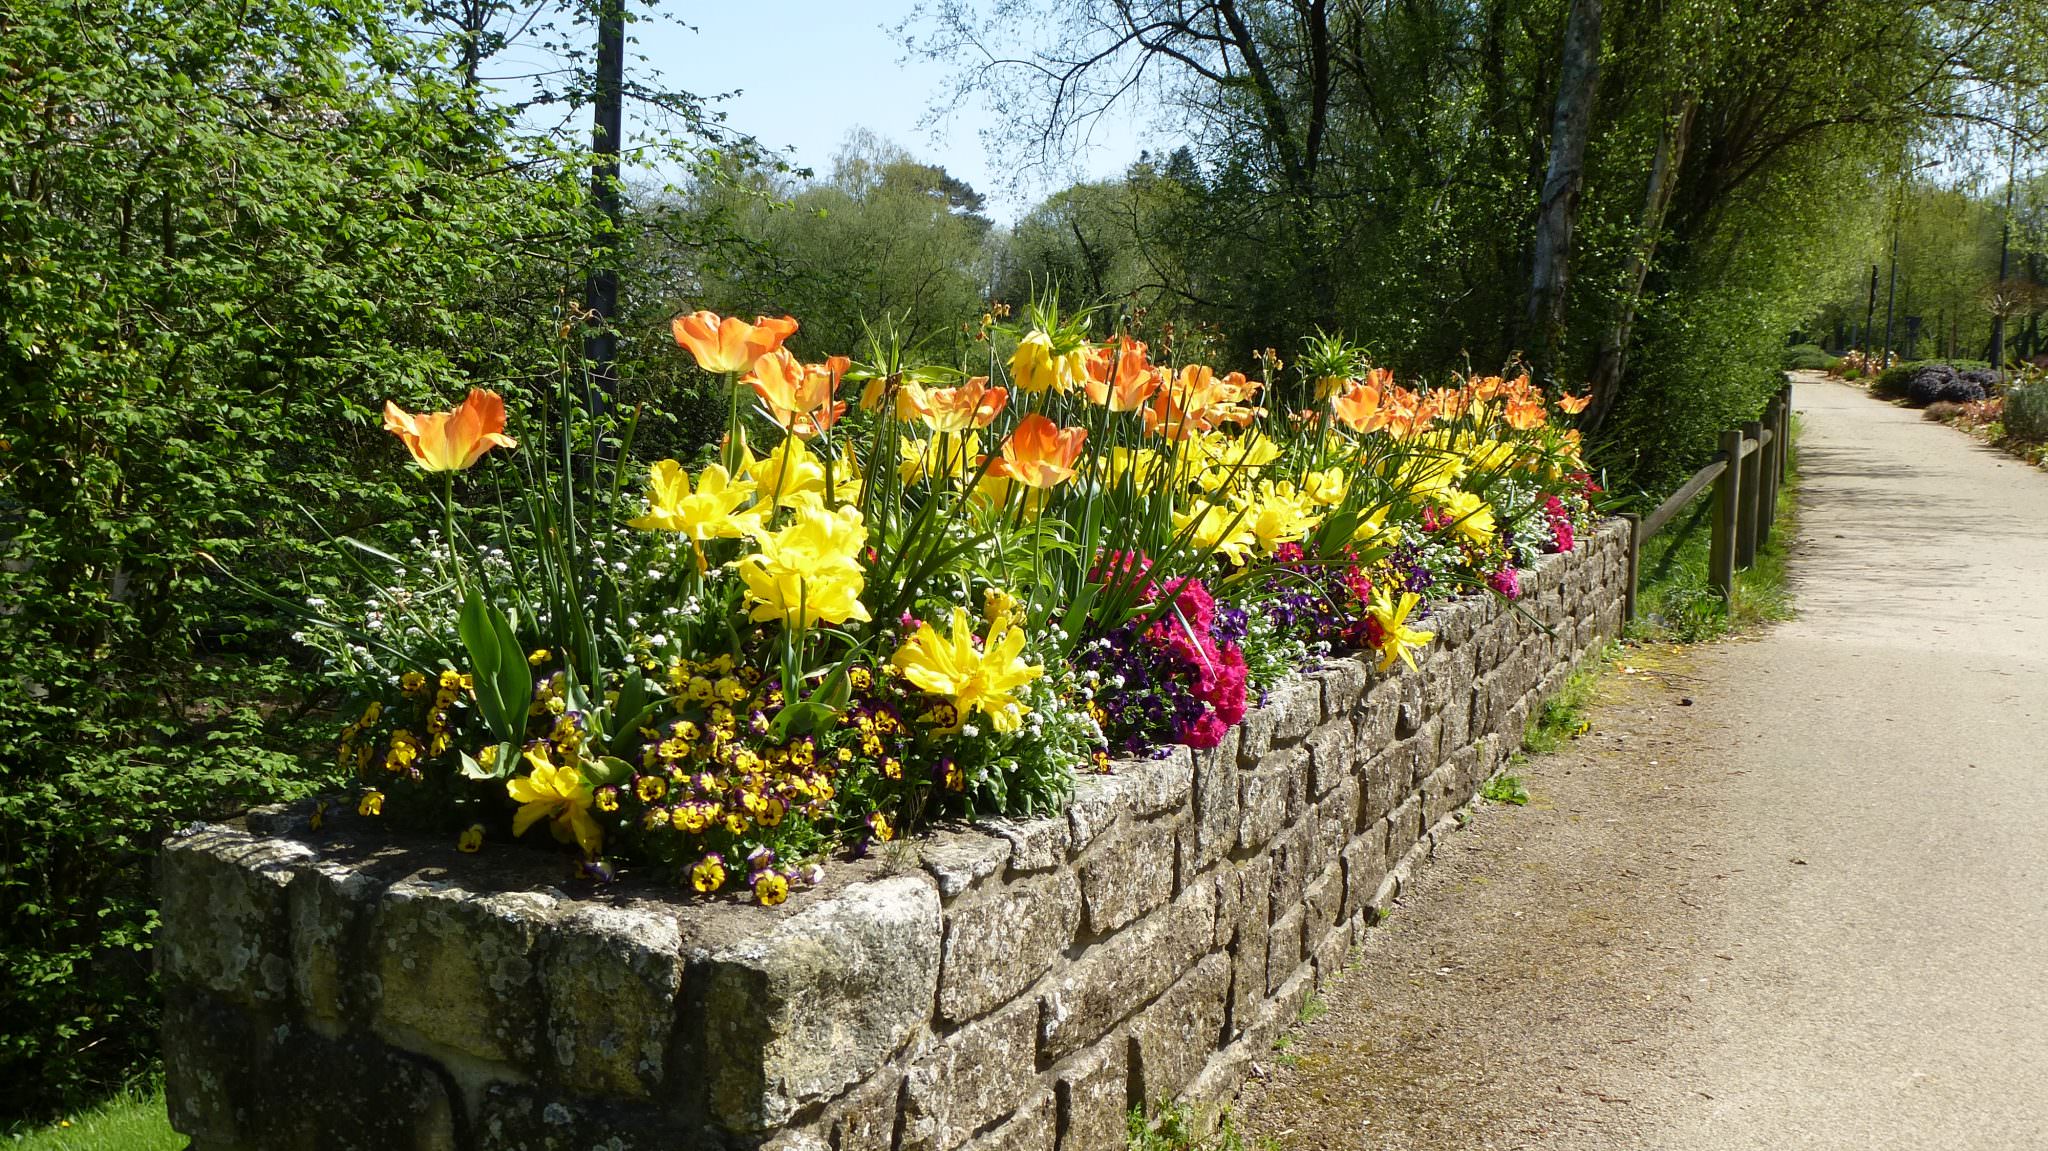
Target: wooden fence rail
<point>1746,473</point>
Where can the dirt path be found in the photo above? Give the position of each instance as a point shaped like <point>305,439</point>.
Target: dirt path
<point>1790,892</point>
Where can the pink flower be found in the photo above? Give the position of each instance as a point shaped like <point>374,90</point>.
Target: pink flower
<point>1507,581</point>
<point>1208,731</point>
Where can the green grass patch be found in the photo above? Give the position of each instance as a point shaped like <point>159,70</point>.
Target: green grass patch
<point>1563,716</point>
<point>1505,788</point>
<point>1177,1129</point>
<point>1312,1009</point>
<point>131,1121</point>
<point>1674,604</point>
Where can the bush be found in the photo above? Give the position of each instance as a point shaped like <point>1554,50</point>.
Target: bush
<point>1809,358</point>
<point>2026,412</point>
<point>1923,382</point>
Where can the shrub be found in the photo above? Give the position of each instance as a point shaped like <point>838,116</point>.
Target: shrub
<point>1940,383</point>
<point>2026,412</point>
<point>1807,357</point>
<point>1942,411</point>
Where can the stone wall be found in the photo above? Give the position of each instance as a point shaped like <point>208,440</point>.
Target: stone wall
<point>1014,986</point>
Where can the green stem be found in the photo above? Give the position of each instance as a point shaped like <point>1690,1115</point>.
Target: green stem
<point>448,530</point>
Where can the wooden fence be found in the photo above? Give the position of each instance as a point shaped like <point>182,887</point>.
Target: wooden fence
<point>1746,473</point>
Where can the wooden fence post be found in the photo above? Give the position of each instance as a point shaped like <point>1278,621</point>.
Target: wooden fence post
<point>1635,559</point>
<point>1767,498</point>
<point>1785,433</point>
<point>1727,491</point>
<point>1751,492</point>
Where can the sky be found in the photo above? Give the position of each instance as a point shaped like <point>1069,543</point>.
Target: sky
<point>805,73</point>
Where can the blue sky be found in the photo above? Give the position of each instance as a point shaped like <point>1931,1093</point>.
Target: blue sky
<point>809,71</point>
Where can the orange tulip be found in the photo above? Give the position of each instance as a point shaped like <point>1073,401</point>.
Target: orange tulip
<point>957,409</point>
<point>729,344</point>
<point>1360,409</point>
<point>1525,412</point>
<point>1123,379</point>
<point>1040,453</point>
<point>799,396</point>
<point>453,440</point>
<point>1487,387</point>
<point>1573,405</point>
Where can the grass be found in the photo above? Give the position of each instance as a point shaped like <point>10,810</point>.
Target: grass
<point>1561,719</point>
<point>1674,603</point>
<point>1505,788</point>
<point>131,1121</point>
<point>1176,1129</point>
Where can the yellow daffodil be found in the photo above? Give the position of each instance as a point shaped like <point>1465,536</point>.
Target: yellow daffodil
<point>1326,487</point>
<point>710,512</point>
<point>560,795</point>
<point>974,679</point>
<point>1472,516</point>
<point>946,457</point>
<point>1217,528</point>
<point>1397,639</point>
<point>810,570</point>
<point>1276,514</point>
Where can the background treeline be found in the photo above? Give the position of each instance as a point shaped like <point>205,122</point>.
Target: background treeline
<point>229,232</point>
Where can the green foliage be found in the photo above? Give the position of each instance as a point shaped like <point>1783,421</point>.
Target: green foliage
<point>133,1120</point>
<point>1674,602</point>
<point>1177,1129</point>
<point>223,242</point>
<point>1563,716</point>
<point>1505,788</point>
<point>2025,412</point>
<point>1807,357</point>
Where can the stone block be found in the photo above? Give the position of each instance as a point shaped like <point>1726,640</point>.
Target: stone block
<point>1404,827</point>
<point>866,1119</point>
<point>1409,719</point>
<point>226,926</point>
<point>1093,1092</point>
<point>1330,826</point>
<point>970,1078</point>
<point>236,1078</point>
<point>459,969</point>
<point>331,910</point>
<point>1113,979</point>
<point>1378,713</point>
<point>1098,802</point>
<point>1215,789</point>
<point>1289,853</point>
<point>1159,785</point>
<point>519,1117</point>
<point>1129,872</point>
<point>1365,865</point>
<point>1035,844</point>
<point>1440,794</point>
<point>1263,796</point>
<point>998,945</point>
<point>1299,703</point>
<point>1344,682</point>
<point>1173,1038</point>
<point>1033,1127</point>
<point>1386,784</point>
<point>957,860</point>
<point>1331,758</point>
<point>1283,948</point>
<point>1421,751</point>
<point>796,1014</point>
<point>1320,901</point>
<point>1333,952</point>
<point>611,976</point>
<point>1255,732</point>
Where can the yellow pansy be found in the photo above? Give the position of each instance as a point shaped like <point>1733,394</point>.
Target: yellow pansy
<point>810,570</point>
<point>974,679</point>
<point>560,795</point>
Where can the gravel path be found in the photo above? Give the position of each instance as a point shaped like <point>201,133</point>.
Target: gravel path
<point>1789,892</point>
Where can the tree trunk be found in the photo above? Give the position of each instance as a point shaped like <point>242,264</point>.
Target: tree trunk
<point>1578,74</point>
<point>1671,145</point>
<point>601,287</point>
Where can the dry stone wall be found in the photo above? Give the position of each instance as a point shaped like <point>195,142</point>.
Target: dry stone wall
<point>1016,986</point>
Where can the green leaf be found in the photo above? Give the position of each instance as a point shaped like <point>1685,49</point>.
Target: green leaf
<point>504,682</point>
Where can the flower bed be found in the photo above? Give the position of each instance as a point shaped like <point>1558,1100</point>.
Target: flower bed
<point>946,601</point>
<point>1012,983</point>
<point>1056,601</point>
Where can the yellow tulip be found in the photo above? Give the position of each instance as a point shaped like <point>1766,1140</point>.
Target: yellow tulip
<point>1217,528</point>
<point>810,570</point>
<point>711,512</point>
<point>1473,516</point>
